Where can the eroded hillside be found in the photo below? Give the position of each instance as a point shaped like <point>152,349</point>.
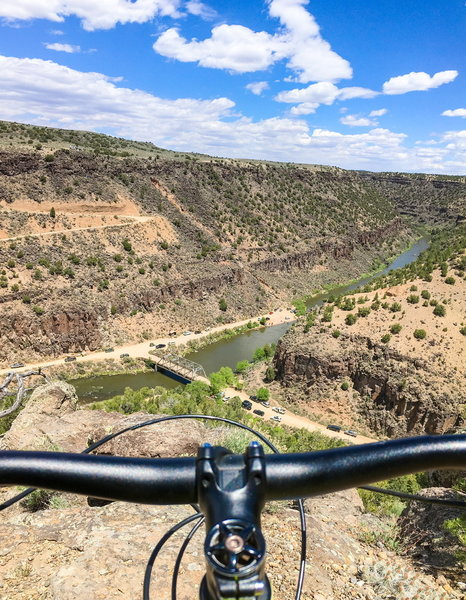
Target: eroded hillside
<point>104,241</point>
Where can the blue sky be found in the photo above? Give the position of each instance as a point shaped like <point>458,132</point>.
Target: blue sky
<point>368,85</point>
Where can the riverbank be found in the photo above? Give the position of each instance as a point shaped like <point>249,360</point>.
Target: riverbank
<point>142,349</point>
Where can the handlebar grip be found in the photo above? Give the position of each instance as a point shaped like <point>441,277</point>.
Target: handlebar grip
<point>144,480</point>
<point>291,476</point>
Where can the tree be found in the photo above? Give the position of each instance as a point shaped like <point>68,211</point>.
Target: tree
<point>270,374</point>
<point>52,212</point>
<point>241,366</point>
<point>263,394</point>
<point>222,304</point>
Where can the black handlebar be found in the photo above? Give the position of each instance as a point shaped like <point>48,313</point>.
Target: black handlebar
<point>288,476</point>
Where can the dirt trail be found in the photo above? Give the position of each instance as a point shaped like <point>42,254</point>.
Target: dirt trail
<point>128,219</point>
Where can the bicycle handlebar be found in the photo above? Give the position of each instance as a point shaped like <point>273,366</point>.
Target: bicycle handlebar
<point>287,476</point>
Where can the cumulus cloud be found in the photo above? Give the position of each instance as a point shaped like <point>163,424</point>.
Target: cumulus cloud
<point>417,82</point>
<point>70,48</point>
<point>457,112</point>
<point>323,92</point>
<point>241,50</point>
<point>357,121</point>
<point>257,87</point>
<point>378,113</point>
<point>46,93</point>
<point>103,14</point>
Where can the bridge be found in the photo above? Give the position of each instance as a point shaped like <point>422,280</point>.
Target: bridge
<point>179,368</point>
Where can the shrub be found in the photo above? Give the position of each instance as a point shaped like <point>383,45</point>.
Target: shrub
<point>222,304</point>
<point>127,245</point>
<point>38,310</point>
<point>425,294</point>
<point>413,288</point>
<point>345,386</point>
<point>420,334</point>
<point>49,158</point>
<point>336,333</point>
<point>413,299</point>
<point>386,338</point>
<point>164,245</point>
<point>395,328</point>
<point>463,330</point>
<point>52,213</point>
<point>450,280</point>
<point>11,264</point>
<point>351,319</point>
<point>364,311</point>
<point>440,310</point>
<point>26,299</point>
<point>395,307</point>
<point>270,374</point>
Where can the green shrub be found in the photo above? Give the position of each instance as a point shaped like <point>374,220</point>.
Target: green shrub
<point>351,319</point>
<point>222,304</point>
<point>395,307</point>
<point>440,310</point>
<point>38,310</point>
<point>263,394</point>
<point>336,333</point>
<point>419,334</point>
<point>395,328</point>
<point>345,386</point>
<point>450,280</point>
<point>386,338</point>
<point>425,294</point>
<point>413,299</point>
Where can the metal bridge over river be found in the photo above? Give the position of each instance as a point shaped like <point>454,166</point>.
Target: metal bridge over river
<point>180,368</point>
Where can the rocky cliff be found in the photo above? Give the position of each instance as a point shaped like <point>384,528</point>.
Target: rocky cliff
<point>394,394</point>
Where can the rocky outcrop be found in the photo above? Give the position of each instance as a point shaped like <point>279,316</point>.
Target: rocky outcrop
<point>51,421</point>
<point>436,549</point>
<point>397,395</point>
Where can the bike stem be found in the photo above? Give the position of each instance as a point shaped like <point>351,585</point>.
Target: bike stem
<point>231,494</point>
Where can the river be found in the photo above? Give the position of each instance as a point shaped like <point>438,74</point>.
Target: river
<point>226,353</point>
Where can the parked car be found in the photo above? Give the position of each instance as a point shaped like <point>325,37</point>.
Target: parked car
<point>109,350</point>
<point>259,412</point>
<point>187,332</point>
<point>334,427</point>
<point>351,432</point>
<point>252,397</point>
<point>279,410</point>
<point>246,404</point>
<point>265,403</point>
<point>197,332</point>
<point>172,333</point>
<point>16,366</point>
<point>70,358</point>
<point>125,355</point>
<point>276,418</point>
<point>161,345</point>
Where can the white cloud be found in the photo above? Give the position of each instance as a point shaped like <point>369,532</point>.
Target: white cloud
<point>323,92</point>
<point>103,14</point>
<point>378,113</point>
<point>457,112</point>
<point>199,9</point>
<point>241,50</point>
<point>63,47</point>
<point>46,93</point>
<point>357,121</point>
<point>356,92</point>
<point>257,87</point>
<point>417,82</point>
<point>57,32</point>
<point>231,47</point>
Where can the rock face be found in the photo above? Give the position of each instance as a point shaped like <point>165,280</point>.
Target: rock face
<point>436,548</point>
<point>51,421</point>
<point>397,395</point>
